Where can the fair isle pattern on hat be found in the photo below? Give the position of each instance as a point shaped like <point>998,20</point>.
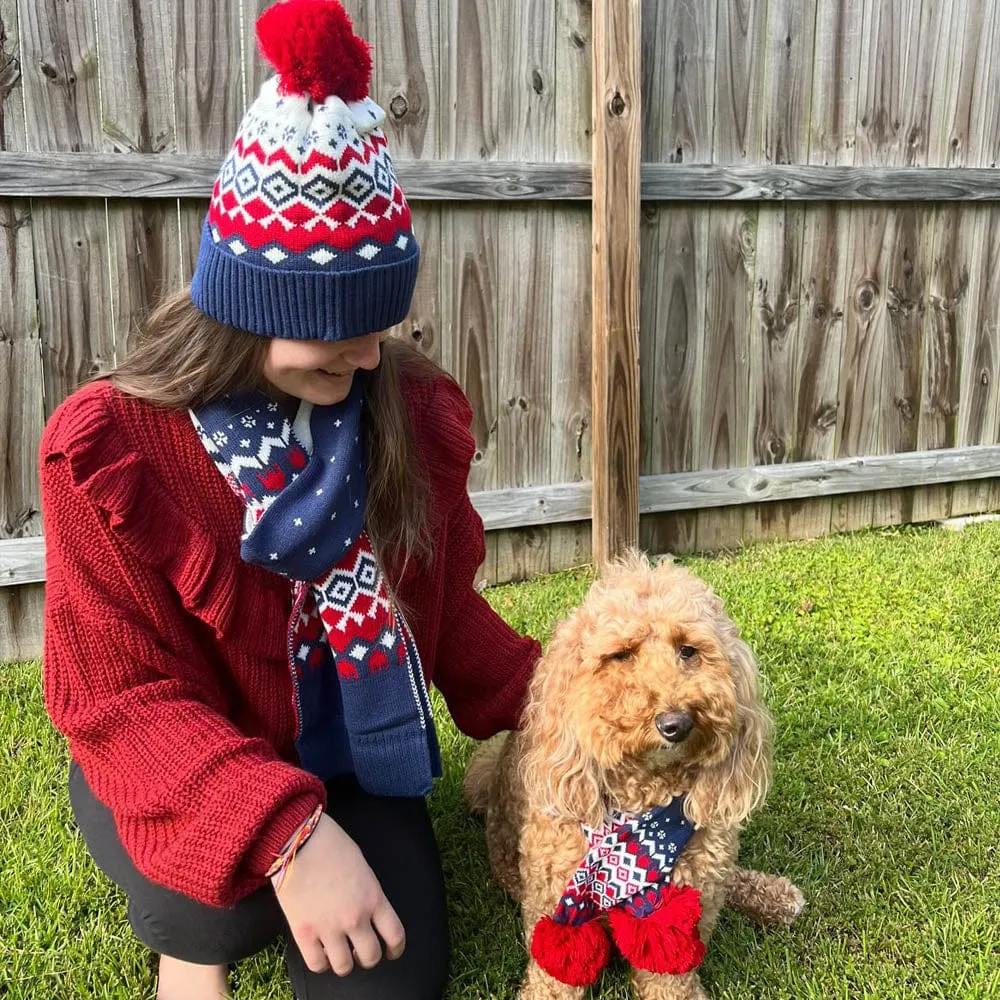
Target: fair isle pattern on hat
<point>308,233</point>
<point>338,200</point>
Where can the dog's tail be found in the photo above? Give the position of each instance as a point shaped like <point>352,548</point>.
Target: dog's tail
<point>766,898</point>
<point>479,775</point>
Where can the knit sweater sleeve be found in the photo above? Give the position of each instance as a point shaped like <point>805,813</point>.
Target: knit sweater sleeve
<point>200,808</point>
<point>483,665</point>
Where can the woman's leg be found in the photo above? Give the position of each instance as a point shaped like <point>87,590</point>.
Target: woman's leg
<point>201,939</point>
<point>397,840</point>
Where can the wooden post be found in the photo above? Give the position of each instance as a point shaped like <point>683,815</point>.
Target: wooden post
<point>616,157</point>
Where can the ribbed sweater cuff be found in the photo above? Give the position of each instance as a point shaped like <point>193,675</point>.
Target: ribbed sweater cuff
<point>278,832</point>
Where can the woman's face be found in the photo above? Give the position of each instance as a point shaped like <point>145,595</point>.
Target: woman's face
<point>319,371</point>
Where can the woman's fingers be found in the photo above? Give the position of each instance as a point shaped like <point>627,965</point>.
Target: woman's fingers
<point>367,948</point>
<point>313,953</point>
<point>390,929</point>
<point>338,954</point>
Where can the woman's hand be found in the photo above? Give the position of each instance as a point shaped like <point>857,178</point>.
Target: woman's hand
<point>335,906</point>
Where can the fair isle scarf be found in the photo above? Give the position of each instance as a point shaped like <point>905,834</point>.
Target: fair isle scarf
<point>625,876</point>
<point>362,704</point>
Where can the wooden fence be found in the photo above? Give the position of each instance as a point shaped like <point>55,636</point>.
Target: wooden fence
<point>819,334</point>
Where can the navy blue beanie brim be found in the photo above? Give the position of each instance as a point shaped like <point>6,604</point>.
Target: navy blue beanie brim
<point>296,305</point>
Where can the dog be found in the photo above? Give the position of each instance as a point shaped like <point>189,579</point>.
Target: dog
<point>645,696</point>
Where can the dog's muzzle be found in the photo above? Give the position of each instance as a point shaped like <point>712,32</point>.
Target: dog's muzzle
<point>674,727</point>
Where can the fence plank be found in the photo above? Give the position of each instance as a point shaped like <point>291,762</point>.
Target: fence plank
<point>60,92</point>
<point>678,82</point>
<point>617,150</point>
<point>961,320</point>
<point>22,559</point>
<point>570,375</point>
<point>974,137</point>
<point>22,412</point>
<point>827,249</point>
<point>59,47</point>
<point>100,175</point>
<point>137,72</point>
<point>407,68</point>
<point>526,124</point>
<point>731,263</point>
<point>786,95</point>
<point>469,234</point>
<point>209,93</point>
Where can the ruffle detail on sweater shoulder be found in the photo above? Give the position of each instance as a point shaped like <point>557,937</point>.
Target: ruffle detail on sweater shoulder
<point>90,430</point>
<point>442,420</point>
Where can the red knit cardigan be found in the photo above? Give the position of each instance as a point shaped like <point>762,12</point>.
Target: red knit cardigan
<point>165,661</point>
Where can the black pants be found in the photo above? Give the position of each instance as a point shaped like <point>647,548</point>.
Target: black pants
<point>396,839</point>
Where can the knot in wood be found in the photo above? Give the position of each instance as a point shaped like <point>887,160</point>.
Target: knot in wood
<point>399,106</point>
<point>776,449</point>
<point>984,377</point>
<point>905,407</point>
<point>617,105</point>
<point>866,296</point>
<point>826,416</point>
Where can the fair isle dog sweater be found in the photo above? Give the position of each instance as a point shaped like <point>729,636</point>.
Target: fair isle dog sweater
<point>166,661</point>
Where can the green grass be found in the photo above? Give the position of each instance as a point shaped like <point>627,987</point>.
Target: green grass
<point>881,656</point>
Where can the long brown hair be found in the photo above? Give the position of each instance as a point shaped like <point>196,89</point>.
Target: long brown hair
<point>180,358</point>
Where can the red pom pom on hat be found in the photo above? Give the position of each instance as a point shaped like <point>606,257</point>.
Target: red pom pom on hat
<point>312,45</point>
<point>665,942</point>
<point>571,954</point>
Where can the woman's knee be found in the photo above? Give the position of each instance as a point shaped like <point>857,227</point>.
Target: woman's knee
<point>201,934</point>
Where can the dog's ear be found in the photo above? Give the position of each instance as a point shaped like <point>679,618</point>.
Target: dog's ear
<point>558,776</point>
<point>727,793</point>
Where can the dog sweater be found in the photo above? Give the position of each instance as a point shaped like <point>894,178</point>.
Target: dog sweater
<point>625,875</point>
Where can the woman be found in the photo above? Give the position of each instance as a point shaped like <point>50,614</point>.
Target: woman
<point>260,546</point>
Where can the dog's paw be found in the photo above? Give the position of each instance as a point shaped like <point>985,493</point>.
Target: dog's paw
<point>769,899</point>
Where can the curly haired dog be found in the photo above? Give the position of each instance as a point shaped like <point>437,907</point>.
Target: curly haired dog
<point>645,693</point>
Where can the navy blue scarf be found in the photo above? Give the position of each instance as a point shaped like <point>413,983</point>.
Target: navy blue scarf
<point>359,686</point>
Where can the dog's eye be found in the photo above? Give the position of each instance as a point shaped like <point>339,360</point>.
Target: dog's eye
<point>687,652</point>
<point>624,655</point>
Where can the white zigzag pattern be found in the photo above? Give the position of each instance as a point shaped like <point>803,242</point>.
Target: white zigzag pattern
<point>263,456</point>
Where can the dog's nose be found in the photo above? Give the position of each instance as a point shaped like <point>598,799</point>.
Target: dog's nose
<point>674,727</point>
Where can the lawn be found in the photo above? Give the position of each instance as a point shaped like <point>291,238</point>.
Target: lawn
<point>880,652</point>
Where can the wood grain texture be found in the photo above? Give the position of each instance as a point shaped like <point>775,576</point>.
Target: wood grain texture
<point>408,77</point>
<point>22,559</point>
<point>786,97</point>
<point>22,611</point>
<point>469,278</point>
<point>105,175</point>
<point>12,130</point>
<point>210,44</point>
<point>137,71</point>
<point>826,249</point>
<point>63,114</point>
<point>732,243</point>
<point>571,544</point>
<point>617,150</point>
<point>962,117</point>
<point>22,412</point>
<point>974,138</point>
<point>678,83</point>
<point>527,258</point>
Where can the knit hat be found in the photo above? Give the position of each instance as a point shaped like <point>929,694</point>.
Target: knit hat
<point>308,234</point>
